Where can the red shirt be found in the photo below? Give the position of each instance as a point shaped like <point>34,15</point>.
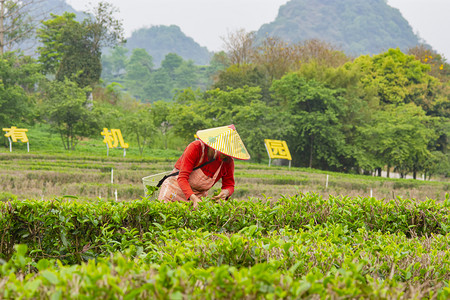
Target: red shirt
<point>191,159</point>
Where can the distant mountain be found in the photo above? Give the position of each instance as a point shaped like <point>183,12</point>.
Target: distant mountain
<point>356,27</point>
<point>157,40</point>
<point>161,40</point>
<point>57,7</point>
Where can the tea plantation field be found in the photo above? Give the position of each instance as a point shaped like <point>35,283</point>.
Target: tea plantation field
<point>285,234</point>
<point>89,177</point>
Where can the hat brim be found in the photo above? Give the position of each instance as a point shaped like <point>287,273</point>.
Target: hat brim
<point>225,140</point>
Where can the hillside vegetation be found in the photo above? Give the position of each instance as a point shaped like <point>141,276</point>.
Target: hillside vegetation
<point>161,40</point>
<point>357,27</point>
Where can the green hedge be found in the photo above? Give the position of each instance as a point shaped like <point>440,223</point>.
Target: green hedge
<point>324,261</point>
<point>62,228</point>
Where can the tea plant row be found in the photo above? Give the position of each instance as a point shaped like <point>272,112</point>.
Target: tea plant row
<point>64,227</point>
<point>321,261</point>
<point>300,246</point>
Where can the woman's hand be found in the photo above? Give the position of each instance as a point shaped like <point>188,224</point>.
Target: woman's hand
<point>224,194</point>
<point>195,200</point>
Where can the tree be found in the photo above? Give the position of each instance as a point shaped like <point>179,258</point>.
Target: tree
<point>52,37</point>
<point>397,77</point>
<point>360,106</point>
<point>238,76</point>
<point>171,62</point>
<point>240,46</point>
<point>160,112</point>
<point>64,104</point>
<point>222,106</point>
<point>159,86</point>
<point>67,50</point>
<point>275,57</point>
<point>218,63</point>
<point>110,104</point>
<point>437,163</point>
<point>73,50</point>
<point>320,52</point>
<point>139,71</point>
<point>315,128</point>
<point>270,59</point>
<point>186,121</point>
<point>18,78</point>
<point>186,75</point>
<point>269,121</point>
<point>182,74</point>
<point>400,79</point>
<point>399,137</point>
<point>114,64</point>
<point>105,30</point>
<point>140,124</point>
<point>439,68</point>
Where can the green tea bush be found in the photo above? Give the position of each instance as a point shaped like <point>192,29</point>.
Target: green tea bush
<point>5,196</point>
<point>59,228</point>
<point>122,276</point>
<point>293,247</point>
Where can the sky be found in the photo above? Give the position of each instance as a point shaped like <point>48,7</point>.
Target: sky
<point>209,21</point>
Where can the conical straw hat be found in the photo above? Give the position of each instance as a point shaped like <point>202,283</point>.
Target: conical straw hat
<point>225,140</point>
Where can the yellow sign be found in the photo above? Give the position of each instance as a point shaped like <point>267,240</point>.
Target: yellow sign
<point>16,134</point>
<point>113,138</point>
<point>277,149</point>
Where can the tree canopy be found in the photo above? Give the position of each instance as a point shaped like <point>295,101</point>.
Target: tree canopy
<point>73,50</point>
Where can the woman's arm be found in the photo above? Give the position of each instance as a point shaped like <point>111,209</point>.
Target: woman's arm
<point>228,179</point>
<point>190,158</point>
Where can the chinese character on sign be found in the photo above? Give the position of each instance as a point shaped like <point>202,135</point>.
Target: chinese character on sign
<point>113,138</point>
<point>15,134</point>
<point>277,149</point>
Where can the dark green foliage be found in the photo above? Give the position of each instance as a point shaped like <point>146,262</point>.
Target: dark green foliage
<point>358,27</point>
<point>238,76</point>
<point>61,229</point>
<point>72,49</point>
<point>139,77</point>
<point>65,107</point>
<point>18,77</point>
<point>314,134</point>
<point>68,50</point>
<point>138,71</point>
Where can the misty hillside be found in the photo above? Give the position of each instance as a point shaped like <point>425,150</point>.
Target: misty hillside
<point>354,26</point>
<point>58,7</point>
<point>161,40</point>
<point>357,27</point>
<point>157,40</point>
